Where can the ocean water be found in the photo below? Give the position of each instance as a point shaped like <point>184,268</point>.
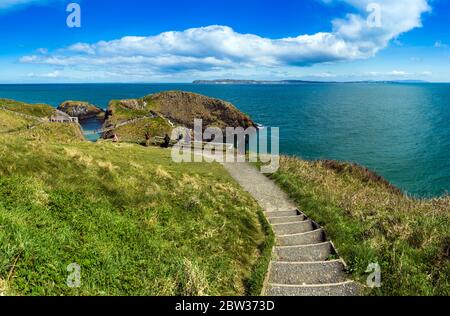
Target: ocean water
<point>401,131</point>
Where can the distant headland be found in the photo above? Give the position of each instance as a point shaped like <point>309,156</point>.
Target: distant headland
<point>287,82</point>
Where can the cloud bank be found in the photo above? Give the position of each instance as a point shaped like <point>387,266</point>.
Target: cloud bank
<point>217,47</point>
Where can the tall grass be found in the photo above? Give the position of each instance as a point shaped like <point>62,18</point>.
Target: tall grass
<point>370,221</point>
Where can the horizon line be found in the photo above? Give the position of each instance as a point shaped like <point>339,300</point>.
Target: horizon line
<point>212,82</point>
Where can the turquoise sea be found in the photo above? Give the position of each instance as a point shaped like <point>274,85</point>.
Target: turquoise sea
<point>401,131</point>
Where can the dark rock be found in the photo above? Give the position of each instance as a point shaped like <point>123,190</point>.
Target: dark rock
<point>82,110</point>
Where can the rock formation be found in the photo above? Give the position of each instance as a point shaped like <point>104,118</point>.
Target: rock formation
<point>82,110</point>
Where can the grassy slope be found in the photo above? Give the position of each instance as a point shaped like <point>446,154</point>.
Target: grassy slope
<point>122,113</point>
<point>10,122</point>
<point>370,221</point>
<point>135,133</point>
<point>39,110</point>
<point>133,220</point>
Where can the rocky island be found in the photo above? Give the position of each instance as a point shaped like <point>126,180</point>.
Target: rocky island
<point>161,112</point>
<point>81,110</point>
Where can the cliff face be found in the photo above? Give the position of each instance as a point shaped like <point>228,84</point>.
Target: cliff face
<point>82,110</point>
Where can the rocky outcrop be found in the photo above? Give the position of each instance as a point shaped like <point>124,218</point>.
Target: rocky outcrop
<point>165,110</point>
<point>132,104</point>
<point>82,110</point>
<point>182,108</point>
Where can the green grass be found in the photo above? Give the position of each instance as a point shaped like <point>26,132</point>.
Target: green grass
<point>56,132</point>
<point>136,223</point>
<point>38,110</point>
<point>10,122</point>
<point>370,221</point>
<point>255,283</point>
<point>135,132</point>
<point>122,113</point>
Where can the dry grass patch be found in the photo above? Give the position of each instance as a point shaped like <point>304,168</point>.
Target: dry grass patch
<point>162,173</point>
<point>3,288</point>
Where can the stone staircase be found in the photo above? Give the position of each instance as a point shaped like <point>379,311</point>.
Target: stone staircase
<point>303,261</point>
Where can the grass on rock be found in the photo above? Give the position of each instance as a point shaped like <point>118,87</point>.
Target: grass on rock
<point>135,132</point>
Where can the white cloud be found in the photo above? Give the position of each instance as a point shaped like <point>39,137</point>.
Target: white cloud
<point>51,75</point>
<point>324,75</point>
<point>217,47</point>
<point>399,73</point>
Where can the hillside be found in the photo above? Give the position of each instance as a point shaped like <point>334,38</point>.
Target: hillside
<point>135,222</point>
<point>371,221</point>
<point>36,110</point>
<point>30,122</point>
<point>173,108</point>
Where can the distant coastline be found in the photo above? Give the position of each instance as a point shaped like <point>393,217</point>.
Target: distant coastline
<point>287,82</point>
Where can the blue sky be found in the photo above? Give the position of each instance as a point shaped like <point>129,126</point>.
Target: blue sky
<point>181,40</point>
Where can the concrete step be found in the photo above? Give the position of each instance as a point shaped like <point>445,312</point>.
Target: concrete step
<point>313,237</point>
<point>348,288</point>
<point>305,253</point>
<point>282,213</point>
<point>292,228</point>
<point>305,273</point>
<point>287,219</point>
